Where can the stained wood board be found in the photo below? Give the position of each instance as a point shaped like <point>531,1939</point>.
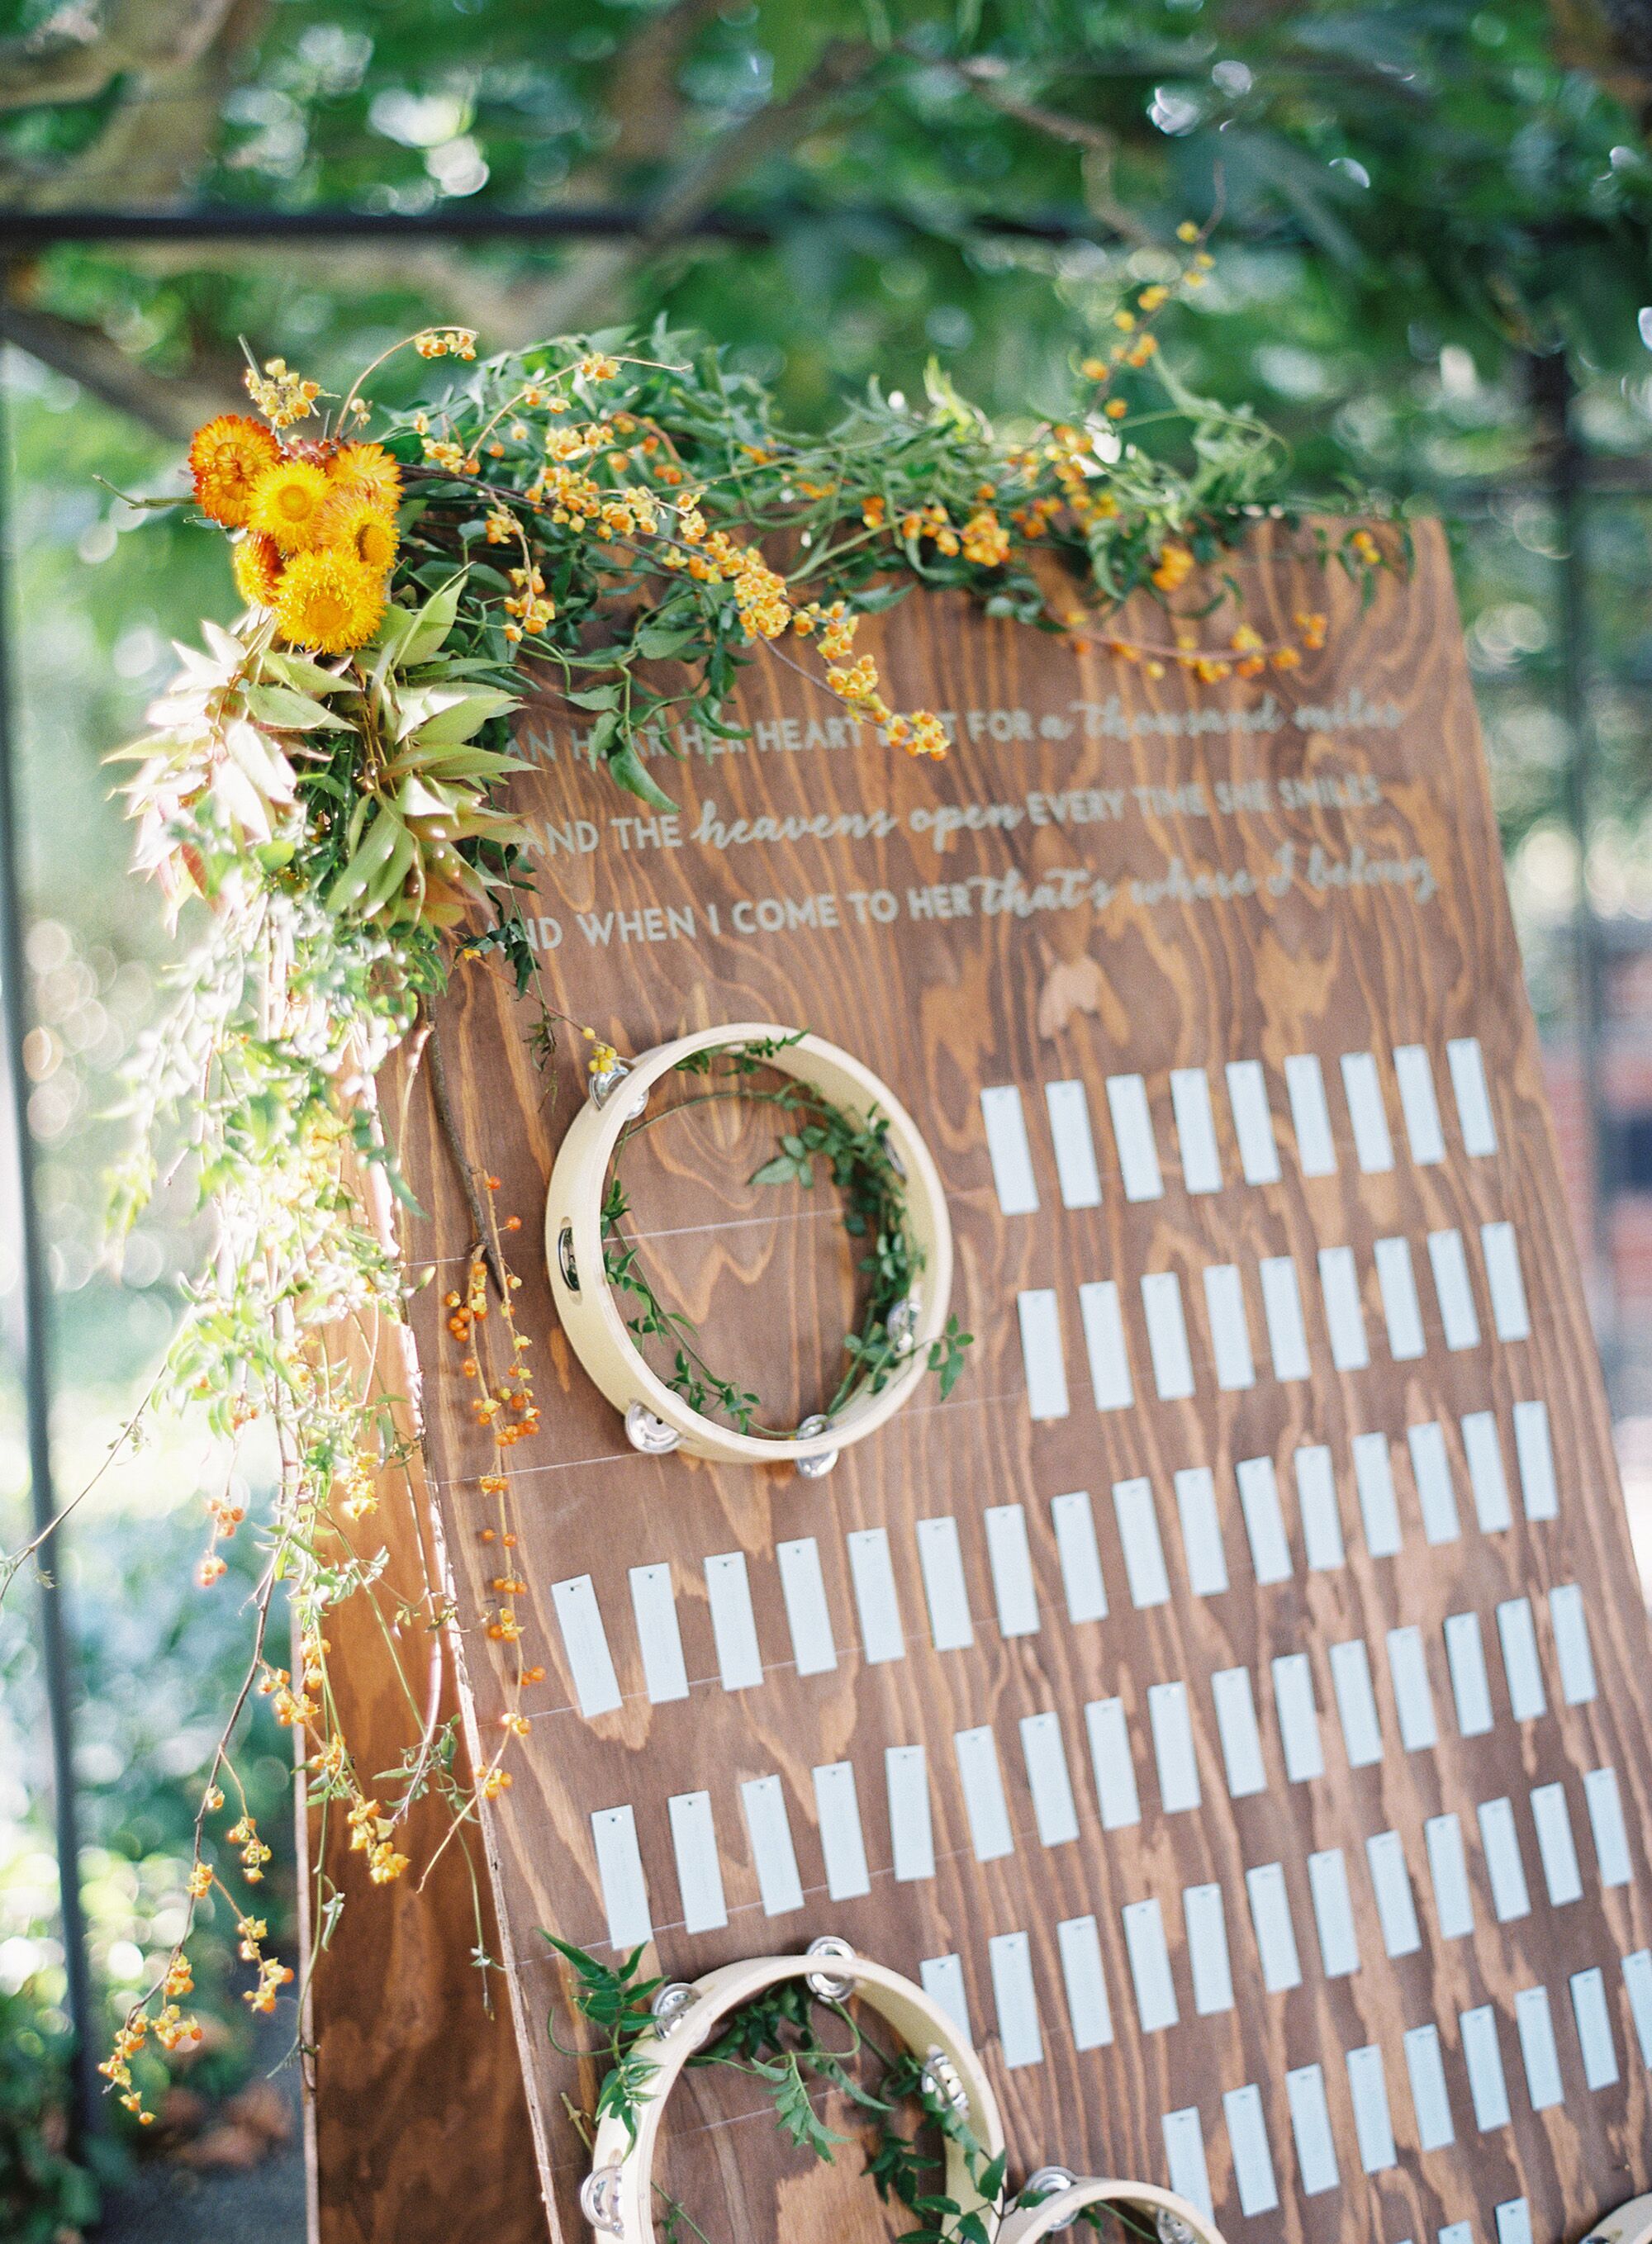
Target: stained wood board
<point>415,2111</point>
<point>1309,1875</point>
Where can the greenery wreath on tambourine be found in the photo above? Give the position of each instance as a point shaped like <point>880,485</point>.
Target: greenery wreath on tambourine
<point>855,1154</point>
<point>776,2042</point>
<point>797,2042</point>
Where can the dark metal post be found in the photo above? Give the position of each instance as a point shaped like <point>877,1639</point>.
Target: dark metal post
<point>1554,398</point>
<point>35,1378</point>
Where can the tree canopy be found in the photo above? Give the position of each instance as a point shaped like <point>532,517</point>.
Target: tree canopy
<point>846,188</point>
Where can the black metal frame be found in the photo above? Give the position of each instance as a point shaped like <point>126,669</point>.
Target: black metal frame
<point>36,1368</point>
<point>23,234</point>
<point>30,231</point>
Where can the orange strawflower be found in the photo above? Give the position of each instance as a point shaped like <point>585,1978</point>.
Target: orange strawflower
<point>258,568</point>
<point>227,456</point>
<point>369,471</point>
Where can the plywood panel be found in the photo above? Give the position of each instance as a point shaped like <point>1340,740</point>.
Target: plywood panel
<point>1241,955</point>
<point>416,2118</point>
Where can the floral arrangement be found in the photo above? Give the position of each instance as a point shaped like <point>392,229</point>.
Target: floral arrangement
<point>619,526</point>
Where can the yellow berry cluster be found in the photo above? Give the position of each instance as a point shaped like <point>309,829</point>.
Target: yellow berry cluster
<point>445,342</point>
<point>288,1705</point>
<point>528,605</point>
<point>282,396</point>
<point>374,1835</point>
<point>1137,344</point>
<point>1246,655</point>
<point>506,1406</point>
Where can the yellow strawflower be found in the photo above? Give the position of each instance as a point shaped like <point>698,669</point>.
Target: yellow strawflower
<point>286,500</point>
<point>351,521</point>
<point>329,601</point>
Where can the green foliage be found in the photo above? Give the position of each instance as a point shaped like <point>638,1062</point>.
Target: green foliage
<point>361,785</point>
<point>616,2003</point>
<point>158,1662</point>
<point>700,1388</point>
<point>854,1153</point>
<point>946,1356</point>
<point>45,2197</point>
<point>652,519</point>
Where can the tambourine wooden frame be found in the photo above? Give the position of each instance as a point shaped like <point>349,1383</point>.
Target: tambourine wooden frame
<point>591,1319</point>
<point>1630,2224</point>
<point>1030,2224</point>
<point>619,2196</point>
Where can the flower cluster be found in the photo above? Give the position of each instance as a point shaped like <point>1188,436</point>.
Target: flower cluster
<point>316,523</point>
<point>649,506</point>
<point>129,2038</point>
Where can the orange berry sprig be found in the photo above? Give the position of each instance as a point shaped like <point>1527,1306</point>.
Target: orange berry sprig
<point>1246,655</point>
<point>1137,343</point>
<point>566,488</point>
<point>504,1404</point>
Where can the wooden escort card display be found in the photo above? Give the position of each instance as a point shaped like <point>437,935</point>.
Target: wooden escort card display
<point>1233,1702</point>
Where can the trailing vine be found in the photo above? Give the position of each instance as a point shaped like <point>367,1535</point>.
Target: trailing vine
<point>618,523</point>
<point>855,1154</point>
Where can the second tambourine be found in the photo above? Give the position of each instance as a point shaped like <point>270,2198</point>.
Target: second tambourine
<point>830,1107</point>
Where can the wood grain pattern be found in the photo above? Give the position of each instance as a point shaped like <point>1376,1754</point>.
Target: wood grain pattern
<point>415,2119</point>
<point>1055,984</point>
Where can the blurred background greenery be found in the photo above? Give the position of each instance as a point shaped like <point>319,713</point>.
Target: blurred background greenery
<point>1425,210</point>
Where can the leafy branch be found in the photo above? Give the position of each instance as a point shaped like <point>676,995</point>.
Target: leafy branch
<point>616,2003</point>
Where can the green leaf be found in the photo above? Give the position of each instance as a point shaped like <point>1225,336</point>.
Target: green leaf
<point>432,623</point>
<point>367,860</point>
<point>627,767</point>
<point>782,1170</point>
<point>387,881</point>
<point>389,640</point>
<point>460,763</point>
<point>446,716</point>
<point>658,642</point>
<point>418,798</point>
<point>279,706</point>
<point>298,672</point>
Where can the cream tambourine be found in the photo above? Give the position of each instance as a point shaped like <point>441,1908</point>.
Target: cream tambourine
<point>1176,2221</point>
<point>1630,2224</point>
<point>657,1418</point>
<point>617,2196</point>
